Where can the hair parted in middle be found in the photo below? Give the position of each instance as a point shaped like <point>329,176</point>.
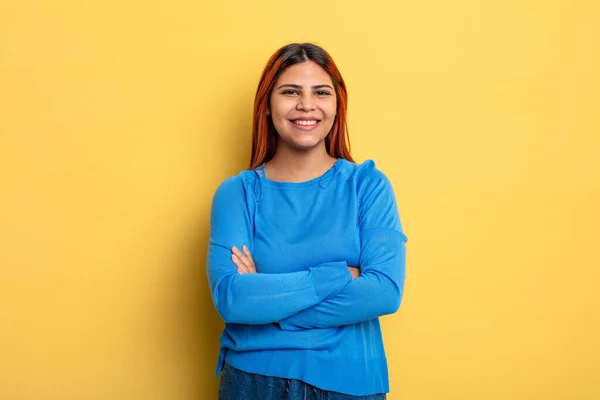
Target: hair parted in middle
<point>264,135</point>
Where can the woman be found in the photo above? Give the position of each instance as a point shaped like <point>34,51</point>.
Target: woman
<point>306,247</point>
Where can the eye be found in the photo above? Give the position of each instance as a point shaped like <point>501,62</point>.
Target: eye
<point>289,92</point>
<point>323,93</point>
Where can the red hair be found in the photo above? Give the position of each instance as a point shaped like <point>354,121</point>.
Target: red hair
<point>264,136</point>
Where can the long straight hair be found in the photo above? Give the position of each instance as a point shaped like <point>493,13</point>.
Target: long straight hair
<point>264,136</point>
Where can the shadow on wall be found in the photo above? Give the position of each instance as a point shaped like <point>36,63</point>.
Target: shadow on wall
<point>198,326</point>
<point>189,323</point>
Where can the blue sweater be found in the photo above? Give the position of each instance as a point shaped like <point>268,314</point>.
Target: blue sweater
<point>302,316</point>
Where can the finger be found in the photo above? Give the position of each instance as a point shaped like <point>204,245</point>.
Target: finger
<point>242,257</point>
<point>247,252</point>
<point>241,263</point>
<point>248,255</point>
<point>251,268</point>
<point>238,253</point>
<point>251,264</point>
<point>241,267</point>
<point>236,262</point>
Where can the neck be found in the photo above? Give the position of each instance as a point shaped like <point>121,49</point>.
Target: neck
<point>293,165</point>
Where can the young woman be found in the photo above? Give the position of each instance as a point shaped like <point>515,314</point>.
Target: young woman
<point>306,247</point>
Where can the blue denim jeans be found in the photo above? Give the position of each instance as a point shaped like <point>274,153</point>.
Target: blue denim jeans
<point>240,385</point>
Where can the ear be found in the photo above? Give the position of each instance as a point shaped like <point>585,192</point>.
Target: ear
<point>268,111</point>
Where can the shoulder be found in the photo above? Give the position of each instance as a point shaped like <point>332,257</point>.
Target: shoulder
<point>237,186</point>
<point>366,176</point>
<point>377,207</point>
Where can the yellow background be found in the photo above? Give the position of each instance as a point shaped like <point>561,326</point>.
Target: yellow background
<point>118,119</point>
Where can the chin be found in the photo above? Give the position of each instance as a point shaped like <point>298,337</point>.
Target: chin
<point>307,145</point>
<point>306,148</point>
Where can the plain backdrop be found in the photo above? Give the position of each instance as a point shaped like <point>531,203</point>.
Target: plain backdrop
<point>118,119</point>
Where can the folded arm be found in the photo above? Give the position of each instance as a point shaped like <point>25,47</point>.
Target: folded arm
<point>258,298</point>
<point>379,289</point>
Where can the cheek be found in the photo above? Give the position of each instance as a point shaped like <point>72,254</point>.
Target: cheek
<point>279,110</point>
<point>331,110</point>
<point>278,118</point>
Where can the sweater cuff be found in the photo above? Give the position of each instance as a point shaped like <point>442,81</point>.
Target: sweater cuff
<point>330,278</point>
<point>310,320</point>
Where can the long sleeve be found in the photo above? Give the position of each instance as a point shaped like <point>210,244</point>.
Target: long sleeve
<point>258,298</point>
<point>379,289</point>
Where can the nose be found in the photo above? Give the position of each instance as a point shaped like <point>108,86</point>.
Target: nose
<point>306,102</point>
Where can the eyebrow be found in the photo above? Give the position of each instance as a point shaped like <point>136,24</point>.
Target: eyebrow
<point>300,87</point>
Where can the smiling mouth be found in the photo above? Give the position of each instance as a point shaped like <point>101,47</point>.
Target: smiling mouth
<point>305,122</point>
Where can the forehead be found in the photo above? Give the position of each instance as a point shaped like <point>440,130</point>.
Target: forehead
<point>307,72</point>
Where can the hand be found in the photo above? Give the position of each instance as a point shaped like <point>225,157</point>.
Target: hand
<point>355,272</point>
<point>243,261</point>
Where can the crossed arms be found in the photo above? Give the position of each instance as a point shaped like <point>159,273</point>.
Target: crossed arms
<point>326,295</point>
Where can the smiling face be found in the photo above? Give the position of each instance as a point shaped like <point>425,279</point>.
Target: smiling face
<point>303,106</point>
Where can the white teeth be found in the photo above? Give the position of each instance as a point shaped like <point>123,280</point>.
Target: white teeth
<point>304,122</point>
